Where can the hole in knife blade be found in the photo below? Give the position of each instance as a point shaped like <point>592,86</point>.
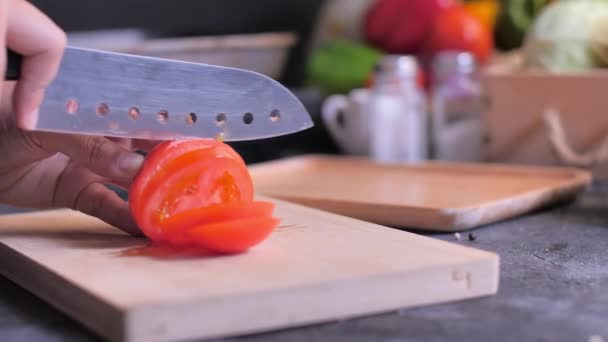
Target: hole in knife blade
<point>275,115</point>
<point>220,119</point>
<point>162,116</point>
<point>134,113</point>
<point>103,109</point>
<point>248,118</point>
<point>191,118</point>
<point>71,106</point>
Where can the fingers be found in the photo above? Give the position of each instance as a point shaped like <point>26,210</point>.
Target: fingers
<point>136,144</point>
<point>97,200</point>
<point>145,145</point>
<point>125,143</point>
<point>32,34</point>
<point>98,154</point>
<point>80,189</point>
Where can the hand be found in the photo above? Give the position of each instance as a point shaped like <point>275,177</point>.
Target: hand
<point>42,170</point>
<point>48,170</point>
<point>30,33</point>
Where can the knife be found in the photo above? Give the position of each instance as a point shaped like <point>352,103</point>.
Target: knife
<point>122,95</point>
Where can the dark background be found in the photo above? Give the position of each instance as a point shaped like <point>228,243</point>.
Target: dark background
<point>216,17</point>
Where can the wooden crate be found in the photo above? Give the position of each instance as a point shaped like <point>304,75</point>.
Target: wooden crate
<point>523,107</point>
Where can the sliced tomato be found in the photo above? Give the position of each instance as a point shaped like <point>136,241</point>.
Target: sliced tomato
<point>176,154</point>
<point>194,186</point>
<point>176,226</point>
<point>233,236</point>
<point>179,161</point>
<point>209,178</point>
<point>171,149</point>
<point>216,213</point>
<point>199,184</point>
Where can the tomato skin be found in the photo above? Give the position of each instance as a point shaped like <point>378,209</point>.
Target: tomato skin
<point>195,184</point>
<point>234,236</point>
<point>457,29</point>
<point>401,26</point>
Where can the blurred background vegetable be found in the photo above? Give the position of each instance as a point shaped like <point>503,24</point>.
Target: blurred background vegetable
<point>485,10</point>
<point>341,65</point>
<point>561,38</point>
<point>457,29</point>
<point>401,26</point>
<point>514,21</point>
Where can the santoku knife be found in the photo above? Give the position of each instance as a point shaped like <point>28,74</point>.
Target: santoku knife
<point>121,95</point>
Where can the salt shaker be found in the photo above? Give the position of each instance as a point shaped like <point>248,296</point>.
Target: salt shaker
<point>398,123</point>
<point>456,105</point>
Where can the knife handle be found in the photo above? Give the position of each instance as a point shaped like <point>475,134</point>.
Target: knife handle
<point>13,66</point>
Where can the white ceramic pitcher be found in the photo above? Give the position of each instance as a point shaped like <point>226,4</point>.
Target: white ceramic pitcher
<point>347,119</point>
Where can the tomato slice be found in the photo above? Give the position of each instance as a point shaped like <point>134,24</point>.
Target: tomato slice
<point>233,236</point>
<point>170,166</point>
<point>171,149</point>
<point>215,213</point>
<point>175,227</point>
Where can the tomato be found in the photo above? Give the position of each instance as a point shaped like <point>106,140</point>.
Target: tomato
<point>177,225</point>
<point>169,151</point>
<point>217,212</point>
<point>193,183</point>
<point>210,182</point>
<point>401,26</point>
<point>233,236</point>
<point>457,29</point>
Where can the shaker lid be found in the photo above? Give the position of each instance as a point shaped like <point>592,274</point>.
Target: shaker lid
<point>454,61</point>
<point>402,65</point>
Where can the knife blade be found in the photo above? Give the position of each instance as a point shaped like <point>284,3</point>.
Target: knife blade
<point>130,96</point>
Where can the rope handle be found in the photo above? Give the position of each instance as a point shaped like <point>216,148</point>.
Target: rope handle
<point>562,149</point>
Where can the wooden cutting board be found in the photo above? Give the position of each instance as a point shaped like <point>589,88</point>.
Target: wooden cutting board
<point>432,196</point>
<point>316,267</point>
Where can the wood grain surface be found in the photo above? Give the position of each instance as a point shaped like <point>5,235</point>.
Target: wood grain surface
<point>316,267</point>
<point>433,196</point>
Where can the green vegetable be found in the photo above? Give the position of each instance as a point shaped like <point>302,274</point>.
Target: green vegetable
<point>341,65</point>
<point>561,37</point>
<point>516,17</point>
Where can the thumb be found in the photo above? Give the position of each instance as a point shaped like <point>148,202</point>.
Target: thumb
<point>100,155</point>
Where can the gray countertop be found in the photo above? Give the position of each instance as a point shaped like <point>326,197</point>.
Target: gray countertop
<point>553,287</point>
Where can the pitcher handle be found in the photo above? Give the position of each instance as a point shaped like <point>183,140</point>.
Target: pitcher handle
<point>331,109</point>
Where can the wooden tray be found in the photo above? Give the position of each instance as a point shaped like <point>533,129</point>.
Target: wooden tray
<point>431,196</point>
<point>316,267</point>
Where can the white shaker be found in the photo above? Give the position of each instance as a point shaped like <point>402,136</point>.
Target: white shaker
<point>397,112</point>
<point>456,108</point>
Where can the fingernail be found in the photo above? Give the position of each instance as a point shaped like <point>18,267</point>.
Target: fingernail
<point>28,122</point>
<point>129,163</point>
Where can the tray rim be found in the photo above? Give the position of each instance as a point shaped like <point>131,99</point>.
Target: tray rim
<point>450,219</point>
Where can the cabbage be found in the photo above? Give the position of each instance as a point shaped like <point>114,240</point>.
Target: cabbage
<point>561,37</point>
